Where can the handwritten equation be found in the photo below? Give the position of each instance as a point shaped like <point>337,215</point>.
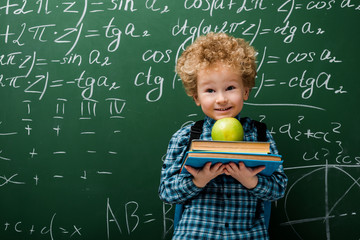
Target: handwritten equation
<point>118,223</point>
<point>113,32</point>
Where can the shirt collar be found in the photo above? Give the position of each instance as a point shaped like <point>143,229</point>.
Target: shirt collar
<point>210,122</point>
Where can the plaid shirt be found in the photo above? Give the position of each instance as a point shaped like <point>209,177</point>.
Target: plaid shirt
<point>223,209</point>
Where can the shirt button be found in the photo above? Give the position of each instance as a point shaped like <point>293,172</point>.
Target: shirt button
<point>164,166</point>
<point>228,195</point>
<point>226,225</point>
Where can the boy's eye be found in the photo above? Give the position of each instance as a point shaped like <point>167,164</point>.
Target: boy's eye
<point>230,88</point>
<point>209,90</point>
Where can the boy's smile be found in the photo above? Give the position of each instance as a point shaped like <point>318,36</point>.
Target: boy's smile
<point>220,92</point>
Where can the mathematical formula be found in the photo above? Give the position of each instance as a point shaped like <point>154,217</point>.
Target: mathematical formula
<point>119,222</point>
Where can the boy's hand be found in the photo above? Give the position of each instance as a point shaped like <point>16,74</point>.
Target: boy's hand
<point>201,177</point>
<point>246,176</point>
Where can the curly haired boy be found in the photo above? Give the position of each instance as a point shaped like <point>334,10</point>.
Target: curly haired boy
<point>221,201</point>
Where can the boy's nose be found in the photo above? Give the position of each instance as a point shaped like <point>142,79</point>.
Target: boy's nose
<point>221,98</point>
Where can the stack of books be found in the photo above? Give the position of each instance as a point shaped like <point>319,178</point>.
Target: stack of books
<point>252,154</point>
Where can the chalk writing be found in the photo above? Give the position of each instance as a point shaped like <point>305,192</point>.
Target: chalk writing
<point>132,219</point>
<point>330,210</point>
<point>89,99</point>
<point>51,230</point>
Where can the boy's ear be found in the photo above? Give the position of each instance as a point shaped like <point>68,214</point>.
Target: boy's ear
<point>196,99</point>
<point>246,94</point>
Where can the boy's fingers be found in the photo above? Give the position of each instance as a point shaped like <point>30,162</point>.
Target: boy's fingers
<point>232,166</point>
<point>226,171</point>
<point>217,166</point>
<point>221,169</point>
<point>241,165</point>
<point>256,170</point>
<point>191,170</point>
<point>207,165</point>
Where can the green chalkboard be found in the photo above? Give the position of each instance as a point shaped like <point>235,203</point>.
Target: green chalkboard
<point>89,100</point>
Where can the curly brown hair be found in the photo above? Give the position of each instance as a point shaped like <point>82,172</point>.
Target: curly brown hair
<point>211,49</point>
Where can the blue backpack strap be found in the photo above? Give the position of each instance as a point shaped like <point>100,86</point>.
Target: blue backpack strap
<point>195,133</point>
<point>261,137</point>
<point>179,208</point>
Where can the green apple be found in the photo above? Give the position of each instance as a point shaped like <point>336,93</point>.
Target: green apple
<point>227,129</point>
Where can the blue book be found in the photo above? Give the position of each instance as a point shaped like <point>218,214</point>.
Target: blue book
<point>198,159</point>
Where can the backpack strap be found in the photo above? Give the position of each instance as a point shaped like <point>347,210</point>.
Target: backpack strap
<point>195,133</point>
<point>261,131</point>
<point>260,128</point>
<point>261,137</point>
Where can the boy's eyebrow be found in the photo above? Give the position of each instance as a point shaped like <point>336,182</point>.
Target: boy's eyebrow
<point>236,80</point>
<point>206,81</point>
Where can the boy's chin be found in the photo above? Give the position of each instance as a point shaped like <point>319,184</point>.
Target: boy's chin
<point>220,116</point>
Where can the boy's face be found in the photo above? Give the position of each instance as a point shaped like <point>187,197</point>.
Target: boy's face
<point>220,92</point>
